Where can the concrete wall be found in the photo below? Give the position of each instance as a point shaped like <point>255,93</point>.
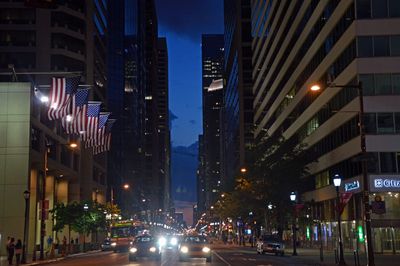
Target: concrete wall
<point>15,105</point>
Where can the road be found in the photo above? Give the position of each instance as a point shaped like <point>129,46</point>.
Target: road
<point>222,256</point>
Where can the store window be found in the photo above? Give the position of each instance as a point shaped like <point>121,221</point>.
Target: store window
<point>382,84</point>
<point>387,162</point>
<point>395,45</point>
<point>385,123</point>
<point>365,46</point>
<point>379,9</point>
<point>381,46</point>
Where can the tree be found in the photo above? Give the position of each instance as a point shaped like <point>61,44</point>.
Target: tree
<point>82,217</point>
<point>275,166</point>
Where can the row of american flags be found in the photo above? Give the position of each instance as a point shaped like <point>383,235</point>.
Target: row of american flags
<point>70,103</point>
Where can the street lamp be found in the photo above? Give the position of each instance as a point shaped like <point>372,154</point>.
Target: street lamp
<point>293,197</point>
<point>367,208</point>
<point>26,197</point>
<point>336,182</point>
<point>243,170</point>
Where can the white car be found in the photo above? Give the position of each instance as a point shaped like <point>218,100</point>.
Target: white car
<point>270,244</point>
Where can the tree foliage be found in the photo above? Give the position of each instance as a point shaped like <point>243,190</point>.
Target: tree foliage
<point>82,217</point>
<point>275,166</point>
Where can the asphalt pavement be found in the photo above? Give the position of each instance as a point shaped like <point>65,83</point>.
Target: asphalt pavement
<point>223,255</point>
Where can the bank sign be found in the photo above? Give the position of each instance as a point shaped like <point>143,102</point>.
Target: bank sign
<point>384,183</point>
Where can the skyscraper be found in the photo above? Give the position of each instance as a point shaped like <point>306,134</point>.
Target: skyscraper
<point>336,44</point>
<point>212,71</point>
<point>163,129</point>
<point>238,95</point>
<point>42,42</point>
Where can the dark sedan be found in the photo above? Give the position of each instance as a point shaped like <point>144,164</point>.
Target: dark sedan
<point>144,246</point>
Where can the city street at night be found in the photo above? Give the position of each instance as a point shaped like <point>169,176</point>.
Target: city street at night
<point>200,132</point>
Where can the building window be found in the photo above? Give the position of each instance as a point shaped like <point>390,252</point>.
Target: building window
<point>365,47</point>
<point>370,123</point>
<point>394,8</point>
<point>363,9</point>
<point>367,83</point>
<point>395,45</point>
<point>387,162</point>
<point>385,123</point>
<point>397,122</point>
<point>382,84</point>
<point>381,46</point>
<point>379,9</point>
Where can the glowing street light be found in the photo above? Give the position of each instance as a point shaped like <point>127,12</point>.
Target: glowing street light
<point>243,170</point>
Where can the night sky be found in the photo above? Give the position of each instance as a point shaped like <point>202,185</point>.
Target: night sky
<point>183,22</point>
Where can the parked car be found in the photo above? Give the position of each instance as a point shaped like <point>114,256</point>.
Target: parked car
<point>106,245</point>
<point>270,244</point>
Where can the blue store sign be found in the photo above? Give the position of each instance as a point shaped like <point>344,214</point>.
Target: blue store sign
<point>384,183</point>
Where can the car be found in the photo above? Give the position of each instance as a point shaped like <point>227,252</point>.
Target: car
<point>270,244</point>
<point>194,247</point>
<point>168,242</point>
<point>144,246</point>
<point>106,245</point>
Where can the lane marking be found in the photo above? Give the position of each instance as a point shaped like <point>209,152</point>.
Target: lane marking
<point>221,258</point>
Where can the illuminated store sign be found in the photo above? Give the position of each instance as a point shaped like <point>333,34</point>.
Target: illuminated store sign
<point>381,183</point>
<point>351,186</point>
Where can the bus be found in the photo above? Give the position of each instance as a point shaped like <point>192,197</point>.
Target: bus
<point>122,233</point>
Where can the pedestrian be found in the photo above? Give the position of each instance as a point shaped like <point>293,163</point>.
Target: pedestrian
<point>10,249</point>
<point>18,251</point>
<point>49,245</point>
<point>7,243</point>
<point>64,246</point>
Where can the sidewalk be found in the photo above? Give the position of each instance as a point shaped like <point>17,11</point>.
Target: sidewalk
<point>4,262</point>
<point>312,255</point>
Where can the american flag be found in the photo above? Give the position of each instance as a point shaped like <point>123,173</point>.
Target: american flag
<point>105,138</point>
<point>61,90</point>
<point>95,141</point>
<point>92,120</point>
<point>78,113</point>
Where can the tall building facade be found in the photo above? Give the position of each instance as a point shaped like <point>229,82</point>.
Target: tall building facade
<point>163,130</point>
<point>237,109</point>
<point>42,42</point>
<point>152,84</point>
<point>212,71</point>
<point>138,72</point>
<point>300,43</point>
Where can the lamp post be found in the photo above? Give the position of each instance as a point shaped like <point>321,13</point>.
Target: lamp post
<point>293,197</point>
<point>367,208</point>
<point>337,181</point>
<point>26,197</point>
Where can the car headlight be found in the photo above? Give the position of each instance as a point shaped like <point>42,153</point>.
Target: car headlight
<point>162,241</point>
<point>206,249</point>
<point>133,250</point>
<point>184,249</point>
<point>174,241</point>
<point>113,244</point>
<point>153,249</point>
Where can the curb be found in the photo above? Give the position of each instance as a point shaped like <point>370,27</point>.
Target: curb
<point>61,258</point>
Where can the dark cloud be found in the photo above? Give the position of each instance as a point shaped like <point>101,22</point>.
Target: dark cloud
<point>193,122</point>
<point>190,18</point>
